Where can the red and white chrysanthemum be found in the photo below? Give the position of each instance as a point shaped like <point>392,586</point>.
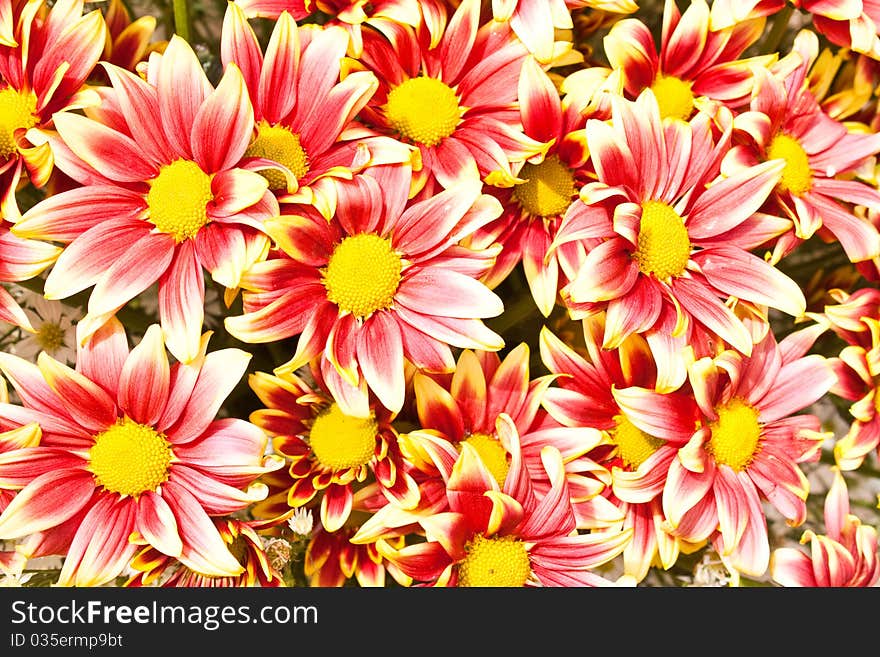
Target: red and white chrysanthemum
<point>856,320</point>
<point>332,560</point>
<point>454,99</point>
<point>546,185</point>
<point>46,55</point>
<point>667,239</point>
<point>506,537</point>
<point>695,63</point>
<point>816,192</point>
<point>852,24</point>
<point>464,407</point>
<point>844,556</point>
<point>383,283</point>
<point>329,453</point>
<point>129,444</point>
<point>301,108</point>
<point>162,197</point>
<point>154,568</point>
<point>748,447</point>
<point>584,395</point>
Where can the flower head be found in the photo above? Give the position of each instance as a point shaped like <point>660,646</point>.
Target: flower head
<point>846,555</point>
<point>46,55</point>
<point>161,196</point>
<point>129,444</point>
<point>384,283</point>
<point>455,100</point>
<point>667,240</point>
<point>505,537</point>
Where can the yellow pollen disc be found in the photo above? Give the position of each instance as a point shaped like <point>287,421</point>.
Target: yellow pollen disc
<point>674,97</point>
<point>16,113</point>
<point>492,453</point>
<point>634,446</point>
<point>664,246</point>
<point>424,110</point>
<point>130,458</point>
<point>497,561</point>
<point>50,337</point>
<point>363,274</point>
<point>735,434</point>
<point>277,143</point>
<point>548,189</point>
<point>797,176</point>
<point>178,199</point>
<point>341,441</point>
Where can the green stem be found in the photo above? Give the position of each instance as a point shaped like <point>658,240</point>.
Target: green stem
<point>778,30</point>
<point>181,19</point>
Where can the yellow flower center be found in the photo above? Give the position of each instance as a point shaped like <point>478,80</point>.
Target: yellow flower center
<point>797,176</point>
<point>664,246</point>
<point>497,561</point>
<point>277,143</point>
<point>735,434</point>
<point>363,274</point>
<point>424,110</point>
<point>492,453</point>
<point>178,199</point>
<point>674,97</point>
<point>16,113</point>
<point>341,441</point>
<point>130,458</point>
<point>50,337</point>
<point>634,446</point>
<point>548,189</point>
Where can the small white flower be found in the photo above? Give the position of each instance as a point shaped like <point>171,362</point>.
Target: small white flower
<point>302,522</point>
<point>54,329</point>
<point>712,572</point>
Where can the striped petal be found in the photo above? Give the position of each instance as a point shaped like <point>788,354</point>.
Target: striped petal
<point>380,356</point>
<point>145,379</point>
<point>46,502</point>
<point>181,302</point>
<point>156,523</point>
<point>223,126</point>
<point>84,400</point>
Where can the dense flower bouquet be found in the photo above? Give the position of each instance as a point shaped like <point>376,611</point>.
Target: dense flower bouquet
<point>414,293</point>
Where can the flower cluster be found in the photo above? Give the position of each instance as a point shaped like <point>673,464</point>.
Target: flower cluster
<point>417,293</point>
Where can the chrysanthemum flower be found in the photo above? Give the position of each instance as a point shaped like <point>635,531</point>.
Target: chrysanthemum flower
<point>455,100</point>
<point>638,460</point>
<point>667,239</point>
<point>748,447</point>
<point>694,63</point>
<point>161,197</point>
<point>129,443</point>
<point>20,260</point>
<point>815,192</point>
<point>330,453</point>
<point>46,54</point>
<point>242,538</point>
<point>301,108</point>
<point>856,319</point>
<point>545,186</point>
<point>385,282</point>
<point>464,408</point>
<point>536,22</point>
<point>852,24</point>
<point>846,555</point>
<point>332,560</point>
<point>506,537</point>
